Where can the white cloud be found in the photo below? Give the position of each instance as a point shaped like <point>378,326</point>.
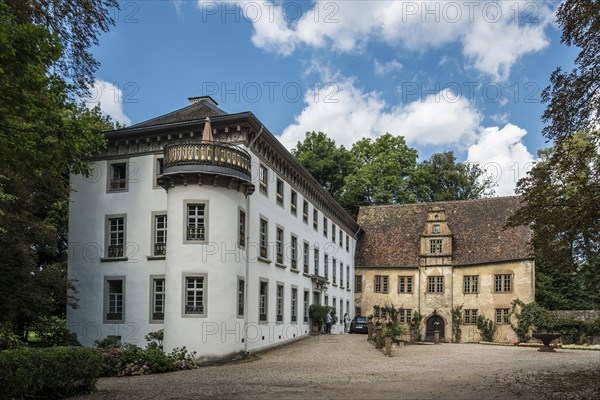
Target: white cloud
<point>387,67</point>
<point>492,36</point>
<point>503,156</point>
<point>347,113</point>
<point>110,98</point>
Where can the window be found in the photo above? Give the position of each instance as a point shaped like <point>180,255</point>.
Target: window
<point>381,283</point>
<point>263,301</point>
<point>306,256</point>
<point>241,291</point>
<point>264,237</point>
<point>404,316</point>
<point>116,236</point>
<point>435,246</point>
<point>405,284</point>
<point>160,235</point>
<point>347,243</point>
<point>348,276</point>
<point>294,305</point>
<point>435,228</point>
<point>263,177</point>
<point>114,300</point>
<point>325,300</point>
<point>358,284</point>
<point>316,220</point>
<point>195,222</point>
<point>293,202</point>
<point>316,261</point>
<point>158,299</point>
<point>502,283</point>
<point>305,305</point>
<point>435,284</point>
<point>194,295</point>
<point>117,177</point>
<point>376,311</point>
<point>333,270</point>
<point>305,211</point>
<point>333,228</point>
<point>341,238</point>
<point>158,170</point>
<point>279,192</point>
<point>471,284</point>
<point>294,246</point>
<point>502,315</point>
<point>341,274</point>
<point>324,226</point>
<point>470,316</point>
<point>242,229</point>
<point>279,303</point>
<point>279,245</point>
<point>357,311</point>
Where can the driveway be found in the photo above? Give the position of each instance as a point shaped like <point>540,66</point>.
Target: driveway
<point>346,366</point>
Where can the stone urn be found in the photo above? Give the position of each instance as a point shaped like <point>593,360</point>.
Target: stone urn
<point>546,338</point>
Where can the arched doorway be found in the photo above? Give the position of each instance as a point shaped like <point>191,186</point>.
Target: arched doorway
<point>430,327</point>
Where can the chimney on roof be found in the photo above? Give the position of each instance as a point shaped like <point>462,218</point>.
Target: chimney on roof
<point>194,100</point>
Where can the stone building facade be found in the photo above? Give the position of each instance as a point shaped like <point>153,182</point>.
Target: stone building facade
<point>433,257</point>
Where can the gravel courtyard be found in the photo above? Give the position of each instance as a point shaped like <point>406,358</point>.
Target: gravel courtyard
<point>346,366</point>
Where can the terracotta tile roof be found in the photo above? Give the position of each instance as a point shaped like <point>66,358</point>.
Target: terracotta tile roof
<point>199,109</point>
<point>392,233</point>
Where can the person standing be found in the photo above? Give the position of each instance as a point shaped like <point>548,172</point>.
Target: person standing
<point>346,323</point>
<point>328,321</point>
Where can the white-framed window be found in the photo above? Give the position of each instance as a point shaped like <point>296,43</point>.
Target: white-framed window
<point>293,202</point>
<point>316,272</point>
<point>159,247</point>
<point>435,284</point>
<point>157,287</point>
<point>294,304</point>
<point>305,211</point>
<point>316,219</point>
<point>326,266</point>
<point>294,255</point>
<point>263,300</point>
<point>306,256</point>
<point>305,305</point>
<point>347,244</point>
<point>263,178</point>
<point>117,176</point>
<point>279,197</point>
<point>502,315</point>
<point>471,284</point>
<point>435,246</point>
<point>195,222</point>
<point>341,238</point>
<point>279,303</point>
<point>502,283</point>
<point>405,284</point>
<point>333,229</point>
<point>241,293</point>
<point>347,276</point>
<point>279,245</point>
<point>114,299</point>
<point>470,316</point>
<point>341,274</point>
<point>242,228</point>
<point>263,237</point>
<point>325,300</point>
<point>194,295</point>
<point>381,283</point>
<point>158,170</point>
<point>115,236</point>
<point>325,223</point>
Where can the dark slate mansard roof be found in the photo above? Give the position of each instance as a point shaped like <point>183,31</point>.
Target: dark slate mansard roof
<point>391,235</point>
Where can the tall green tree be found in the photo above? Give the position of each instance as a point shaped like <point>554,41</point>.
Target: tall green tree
<point>44,135</point>
<point>574,97</point>
<point>442,178</point>
<point>328,163</point>
<point>562,205</point>
<point>384,168</point>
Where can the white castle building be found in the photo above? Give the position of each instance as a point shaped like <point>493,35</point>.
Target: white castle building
<point>208,228</point>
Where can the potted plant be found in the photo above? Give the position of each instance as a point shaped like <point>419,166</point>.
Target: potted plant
<point>317,313</point>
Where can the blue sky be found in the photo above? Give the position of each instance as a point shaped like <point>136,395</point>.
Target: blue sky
<point>448,75</point>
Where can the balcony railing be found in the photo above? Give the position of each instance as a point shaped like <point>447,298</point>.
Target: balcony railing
<point>222,157</point>
<point>160,249</point>
<point>118,184</point>
<point>115,251</point>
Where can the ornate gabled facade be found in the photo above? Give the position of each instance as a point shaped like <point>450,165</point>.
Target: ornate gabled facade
<point>432,257</point>
<point>201,223</point>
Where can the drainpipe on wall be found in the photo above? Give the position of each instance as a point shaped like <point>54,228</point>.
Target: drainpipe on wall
<point>246,284</point>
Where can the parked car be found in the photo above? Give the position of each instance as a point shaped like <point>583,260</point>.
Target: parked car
<point>359,324</point>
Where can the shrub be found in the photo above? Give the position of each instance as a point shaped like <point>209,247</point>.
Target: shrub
<point>48,373</point>
<point>456,321</point>
<point>415,324</point>
<point>155,339</point>
<point>486,328</point>
<point>109,342</point>
<point>53,332</point>
<point>9,340</point>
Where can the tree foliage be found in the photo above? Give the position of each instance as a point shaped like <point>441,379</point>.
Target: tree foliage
<point>574,97</point>
<point>44,135</point>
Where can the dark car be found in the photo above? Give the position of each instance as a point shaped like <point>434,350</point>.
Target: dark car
<point>359,324</point>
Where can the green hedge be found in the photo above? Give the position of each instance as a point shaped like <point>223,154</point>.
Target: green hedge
<point>48,373</point>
